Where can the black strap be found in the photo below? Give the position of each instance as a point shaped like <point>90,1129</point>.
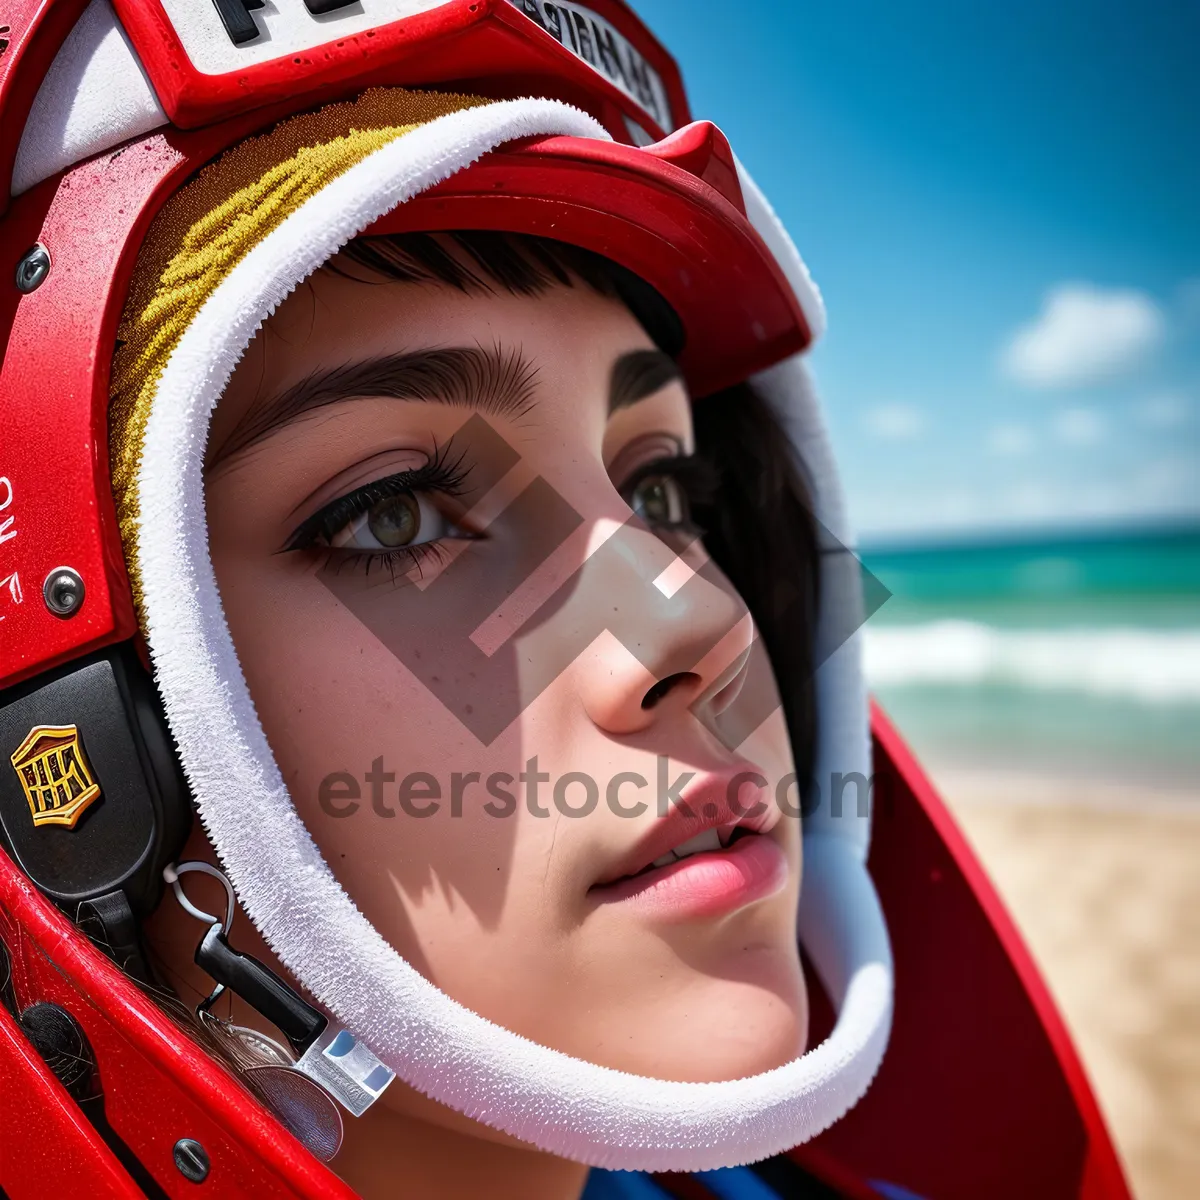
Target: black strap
<point>109,923</point>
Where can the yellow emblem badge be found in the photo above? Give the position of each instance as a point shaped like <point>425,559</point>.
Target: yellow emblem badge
<point>55,775</point>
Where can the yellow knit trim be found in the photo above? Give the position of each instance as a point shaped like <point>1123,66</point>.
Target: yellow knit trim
<point>208,227</point>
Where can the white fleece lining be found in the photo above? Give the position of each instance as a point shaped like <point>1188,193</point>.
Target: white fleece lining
<point>564,1105</point>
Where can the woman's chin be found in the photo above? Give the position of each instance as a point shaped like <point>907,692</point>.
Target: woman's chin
<point>713,1029</point>
<point>769,1039</point>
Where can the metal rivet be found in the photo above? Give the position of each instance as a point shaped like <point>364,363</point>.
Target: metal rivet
<point>33,269</point>
<point>192,1160</point>
<point>63,592</point>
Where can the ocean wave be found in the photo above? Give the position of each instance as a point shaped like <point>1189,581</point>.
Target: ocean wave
<point>1148,665</point>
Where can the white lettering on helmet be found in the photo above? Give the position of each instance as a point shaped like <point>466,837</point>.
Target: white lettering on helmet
<point>10,585</point>
<point>6,523</point>
<point>605,49</point>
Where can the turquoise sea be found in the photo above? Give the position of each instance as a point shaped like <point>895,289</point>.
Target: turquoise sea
<point>1076,654</point>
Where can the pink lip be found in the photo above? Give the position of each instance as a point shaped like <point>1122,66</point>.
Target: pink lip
<point>709,884</point>
<point>707,803</point>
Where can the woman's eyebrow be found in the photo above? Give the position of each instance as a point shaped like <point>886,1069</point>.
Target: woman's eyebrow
<point>639,374</point>
<point>493,380</point>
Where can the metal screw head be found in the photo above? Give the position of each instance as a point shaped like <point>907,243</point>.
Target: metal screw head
<point>63,592</point>
<point>33,269</point>
<point>192,1160</point>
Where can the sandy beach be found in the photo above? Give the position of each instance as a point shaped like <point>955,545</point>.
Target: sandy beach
<point>1104,881</point>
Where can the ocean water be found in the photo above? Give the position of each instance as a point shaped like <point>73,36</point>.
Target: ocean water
<point>1078,655</point>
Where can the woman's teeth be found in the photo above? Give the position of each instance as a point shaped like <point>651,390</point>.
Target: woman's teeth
<point>710,839</point>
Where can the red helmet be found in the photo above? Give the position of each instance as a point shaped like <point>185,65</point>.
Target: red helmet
<point>105,112</point>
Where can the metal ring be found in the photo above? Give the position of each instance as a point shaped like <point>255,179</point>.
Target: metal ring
<point>172,872</point>
<point>32,269</point>
<point>63,591</point>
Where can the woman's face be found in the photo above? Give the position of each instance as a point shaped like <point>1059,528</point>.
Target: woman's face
<point>419,507</point>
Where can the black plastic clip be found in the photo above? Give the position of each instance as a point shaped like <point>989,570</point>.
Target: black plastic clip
<point>260,987</point>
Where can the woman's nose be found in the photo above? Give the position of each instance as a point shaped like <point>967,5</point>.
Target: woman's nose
<point>678,635</point>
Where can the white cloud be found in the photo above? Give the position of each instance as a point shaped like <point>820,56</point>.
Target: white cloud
<point>1010,440</point>
<point>1084,334</point>
<point>1166,410</point>
<point>894,422</point>
<point>1080,426</point>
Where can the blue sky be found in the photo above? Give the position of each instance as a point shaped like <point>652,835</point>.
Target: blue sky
<point>1001,205</point>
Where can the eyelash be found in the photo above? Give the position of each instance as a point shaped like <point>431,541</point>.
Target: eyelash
<point>695,474</point>
<point>439,475</point>
<point>398,561</point>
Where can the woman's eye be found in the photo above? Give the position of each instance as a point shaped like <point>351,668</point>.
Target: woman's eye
<point>660,500</point>
<point>405,519</point>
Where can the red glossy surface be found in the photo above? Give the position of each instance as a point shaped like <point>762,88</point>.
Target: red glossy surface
<point>675,230</point>
<point>47,1146</point>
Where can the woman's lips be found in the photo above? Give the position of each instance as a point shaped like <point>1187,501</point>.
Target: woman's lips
<point>707,884</point>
